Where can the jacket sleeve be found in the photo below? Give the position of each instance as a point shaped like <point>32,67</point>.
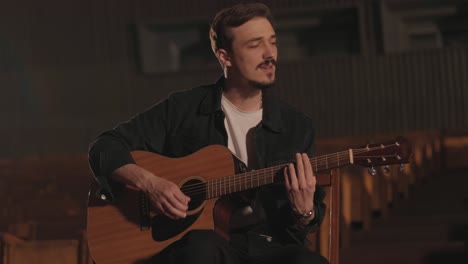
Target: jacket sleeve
<point>111,149</point>
<point>300,232</point>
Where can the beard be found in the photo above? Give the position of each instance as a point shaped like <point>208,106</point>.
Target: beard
<point>262,85</point>
<point>265,85</point>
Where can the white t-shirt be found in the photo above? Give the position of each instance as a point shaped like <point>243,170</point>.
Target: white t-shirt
<point>240,126</point>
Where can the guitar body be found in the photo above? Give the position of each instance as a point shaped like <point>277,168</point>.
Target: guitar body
<point>127,231</point>
<point>115,232</point>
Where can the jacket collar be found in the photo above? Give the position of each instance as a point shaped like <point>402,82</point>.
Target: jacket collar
<point>272,118</point>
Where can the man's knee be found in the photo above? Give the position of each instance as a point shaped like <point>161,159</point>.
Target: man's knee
<point>197,246</point>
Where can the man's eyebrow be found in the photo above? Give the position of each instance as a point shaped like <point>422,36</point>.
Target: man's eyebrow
<point>259,38</point>
<point>253,40</point>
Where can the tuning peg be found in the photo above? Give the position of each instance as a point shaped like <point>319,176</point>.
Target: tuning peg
<point>372,171</point>
<point>402,167</point>
<point>386,169</point>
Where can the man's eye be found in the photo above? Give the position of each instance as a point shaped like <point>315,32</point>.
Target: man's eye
<point>273,43</point>
<point>254,46</point>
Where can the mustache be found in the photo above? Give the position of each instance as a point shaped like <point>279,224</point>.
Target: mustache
<point>266,62</point>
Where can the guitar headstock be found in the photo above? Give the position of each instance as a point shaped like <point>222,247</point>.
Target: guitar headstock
<point>388,153</point>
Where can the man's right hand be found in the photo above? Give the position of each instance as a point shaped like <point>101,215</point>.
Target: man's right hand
<point>165,196</point>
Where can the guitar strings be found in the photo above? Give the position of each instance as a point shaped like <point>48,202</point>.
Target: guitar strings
<point>254,174</point>
<point>225,183</point>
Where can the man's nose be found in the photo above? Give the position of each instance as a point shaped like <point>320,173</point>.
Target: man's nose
<point>269,51</point>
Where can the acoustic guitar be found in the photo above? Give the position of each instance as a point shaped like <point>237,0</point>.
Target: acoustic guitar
<point>126,230</point>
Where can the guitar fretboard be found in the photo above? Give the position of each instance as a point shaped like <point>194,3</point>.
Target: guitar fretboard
<point>257,178</point>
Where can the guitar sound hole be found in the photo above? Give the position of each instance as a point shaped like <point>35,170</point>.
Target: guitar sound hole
<point>165,228</point>
<point>196,190</point>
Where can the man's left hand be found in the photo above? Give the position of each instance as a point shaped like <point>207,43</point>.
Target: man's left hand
<point>300,184</point>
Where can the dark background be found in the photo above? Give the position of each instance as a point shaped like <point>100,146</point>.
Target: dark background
<point>69,69</point>
<point>72,68</point>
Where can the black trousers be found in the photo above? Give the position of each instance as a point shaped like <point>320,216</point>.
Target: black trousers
<point>207,247</point>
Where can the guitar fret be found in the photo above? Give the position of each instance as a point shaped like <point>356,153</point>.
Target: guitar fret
<point>255,178</point>
<point>213,189</point>
<point>213,185</point>
<point>209,190</point>
<point>221,191</point>
<point>245,182</point>
<point>236,184</point>
<point>272,175</point>
<point>234,179</point>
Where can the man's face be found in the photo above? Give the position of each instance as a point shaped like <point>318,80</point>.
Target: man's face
<point>254,53</point>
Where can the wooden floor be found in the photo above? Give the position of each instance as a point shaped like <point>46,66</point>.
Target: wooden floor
<point>429,226</point>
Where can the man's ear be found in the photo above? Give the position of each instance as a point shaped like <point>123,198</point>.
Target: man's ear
<point>224,57</point>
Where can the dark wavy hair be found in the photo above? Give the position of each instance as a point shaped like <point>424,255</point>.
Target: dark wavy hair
<point>232,17</point>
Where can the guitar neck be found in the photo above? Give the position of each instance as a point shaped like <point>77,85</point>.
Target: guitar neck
<point>256,178</point>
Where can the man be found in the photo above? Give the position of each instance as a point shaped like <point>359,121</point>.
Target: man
<point>237,111</point>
